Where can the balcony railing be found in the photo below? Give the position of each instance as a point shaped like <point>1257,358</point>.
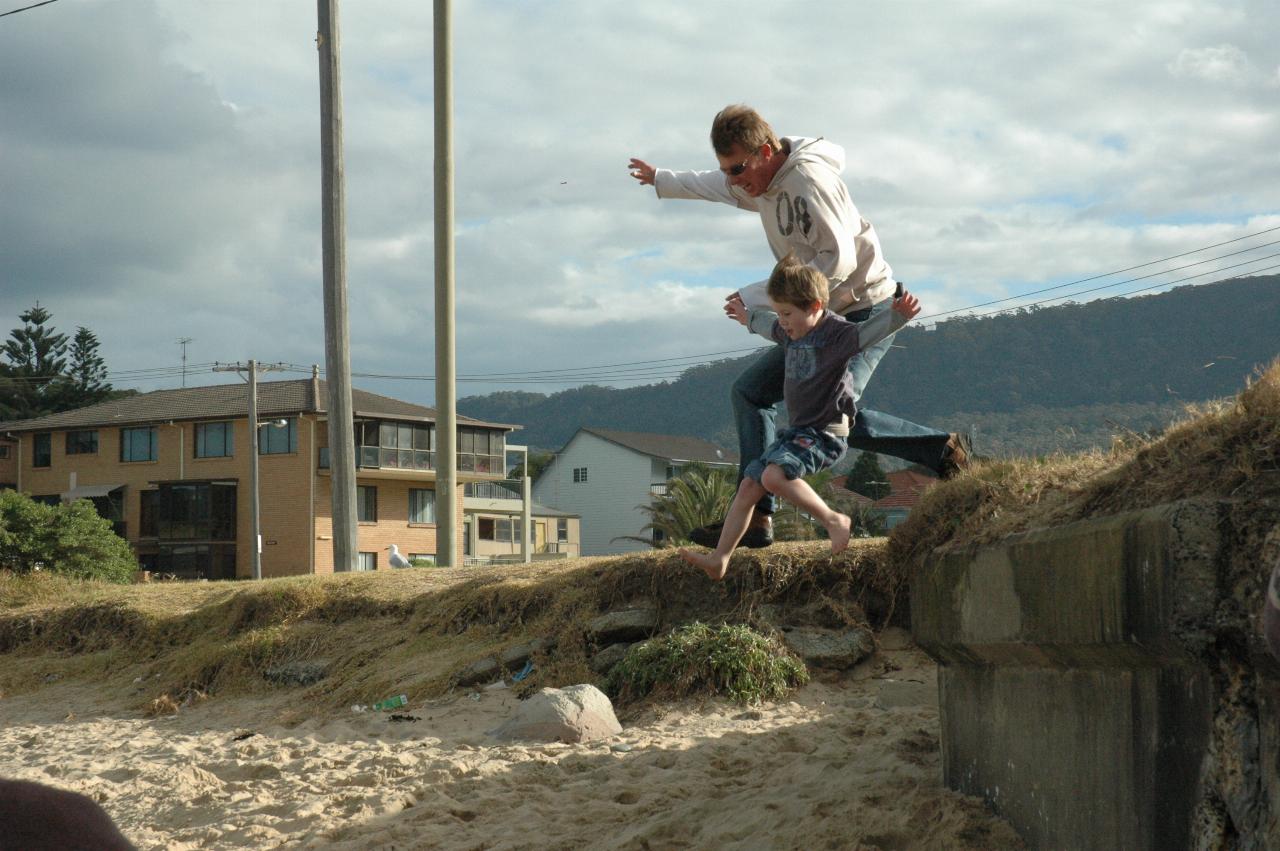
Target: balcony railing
<point>505,489</point>
<point>379,458</point>
<point>658,489</point>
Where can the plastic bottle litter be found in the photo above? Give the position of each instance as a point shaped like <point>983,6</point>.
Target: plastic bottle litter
<point>391,703</point>
<point>523,672</point>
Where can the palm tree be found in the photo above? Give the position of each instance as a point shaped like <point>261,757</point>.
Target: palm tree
<point>698,496</point>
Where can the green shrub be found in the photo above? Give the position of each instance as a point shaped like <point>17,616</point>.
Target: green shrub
<point>70,539</point>
<point>735,661</point>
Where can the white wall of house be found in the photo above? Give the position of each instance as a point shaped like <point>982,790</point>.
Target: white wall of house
<point>617,483</point>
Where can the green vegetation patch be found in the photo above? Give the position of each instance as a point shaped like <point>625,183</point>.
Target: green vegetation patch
<point>731,659</point>
<point>70,539</point>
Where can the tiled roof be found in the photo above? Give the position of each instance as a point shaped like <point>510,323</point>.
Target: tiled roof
<point>905,488</point>
<point>226,401</point>
<point>667,446</point>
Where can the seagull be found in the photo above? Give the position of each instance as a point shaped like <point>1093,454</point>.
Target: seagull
<point>396,559</point>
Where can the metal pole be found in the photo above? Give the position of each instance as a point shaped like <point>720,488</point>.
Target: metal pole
<point>526,515</point>
<point>447,550</point>
<point>526,503</point>
<point>337,346</point>
<point>253,468</point>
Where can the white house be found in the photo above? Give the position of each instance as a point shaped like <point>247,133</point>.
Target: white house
<point>605,476</point>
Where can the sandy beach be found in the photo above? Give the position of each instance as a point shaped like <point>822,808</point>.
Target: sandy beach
<point>849,762</point>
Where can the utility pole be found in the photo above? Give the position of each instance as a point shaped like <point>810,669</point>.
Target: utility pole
<point>252,367</point>
<point>447,550</point>
<point>337,344</point>
<point>182,341</point>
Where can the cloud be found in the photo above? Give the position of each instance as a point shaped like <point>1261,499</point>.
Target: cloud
<point>1225,63</point>
<point>160,164</point>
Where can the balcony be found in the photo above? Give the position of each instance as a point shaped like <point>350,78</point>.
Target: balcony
<point>503,495</point>
<point>382,463</point>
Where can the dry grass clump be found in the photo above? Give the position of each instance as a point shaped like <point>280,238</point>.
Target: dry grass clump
<point>1227,449</point>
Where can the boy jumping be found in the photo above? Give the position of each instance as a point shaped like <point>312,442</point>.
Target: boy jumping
<point>819,397</point>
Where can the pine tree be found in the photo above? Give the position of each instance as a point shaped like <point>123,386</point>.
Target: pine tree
<point>867,477</point>
<point>87,373</point>
<point>29,382</point>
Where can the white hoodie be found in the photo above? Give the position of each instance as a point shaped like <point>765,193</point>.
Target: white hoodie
<point>806,209</point>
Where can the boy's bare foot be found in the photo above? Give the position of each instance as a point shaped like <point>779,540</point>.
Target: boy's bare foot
<point>713,565</point>
<point>839,530</point>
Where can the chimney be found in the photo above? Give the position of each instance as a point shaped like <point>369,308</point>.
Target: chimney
<point>315,387</point>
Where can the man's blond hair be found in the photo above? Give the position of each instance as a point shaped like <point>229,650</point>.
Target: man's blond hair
<point>792,282</point>
<point>739,124</point>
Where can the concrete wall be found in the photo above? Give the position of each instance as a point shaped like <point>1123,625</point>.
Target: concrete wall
<point>1082,687</point>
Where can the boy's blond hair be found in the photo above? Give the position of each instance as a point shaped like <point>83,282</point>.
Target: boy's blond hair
<point>792,282</point>
<point>739,124</point>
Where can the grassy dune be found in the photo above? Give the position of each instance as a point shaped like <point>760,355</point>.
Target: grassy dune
<point>157,646</point>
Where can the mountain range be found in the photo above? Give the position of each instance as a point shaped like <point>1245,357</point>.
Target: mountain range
<point>1029,381</point>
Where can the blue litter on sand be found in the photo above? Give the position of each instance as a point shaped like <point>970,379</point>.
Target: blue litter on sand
<point>524,672</point>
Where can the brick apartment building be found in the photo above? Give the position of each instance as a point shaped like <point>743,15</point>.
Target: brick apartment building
<point>171,469</point>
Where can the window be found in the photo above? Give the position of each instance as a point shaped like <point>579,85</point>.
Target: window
<point>82,442</point>
<point>42,450</point>
<point>367,504</point>
<point>213,440</point>
<point>278,441</point>
<point>196,511</point>
<point>366,561</point>
<point>503,530</point>
<point>422,559</point>
<point>562,530</point>
<point>481,451</point>
<point>580,474</point>
<point>4,451</point>
<point>197,561</point>
<point>138,444</point>
<point>148,505</point>
<point>405,446</point>
<point>422,505</point>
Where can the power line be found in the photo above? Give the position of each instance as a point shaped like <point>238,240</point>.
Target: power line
<point>672,368</point>
<point>25,8</point>
<point>1143,289</point>
<point>1122,271</point>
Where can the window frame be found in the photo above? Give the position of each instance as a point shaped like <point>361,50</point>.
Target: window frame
<point>366,503</point>
<point>228,439</point>
<point>45,437</point>
<point>416,495</point>
<point>290,431</point>
<point>80,449</point>
<point>580,475</point>
<point>153,444</point>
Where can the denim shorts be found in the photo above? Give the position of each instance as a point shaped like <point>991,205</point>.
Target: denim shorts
<point>799,452</point>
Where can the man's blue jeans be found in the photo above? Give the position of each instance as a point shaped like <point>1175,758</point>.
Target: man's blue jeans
<point>757,392</point>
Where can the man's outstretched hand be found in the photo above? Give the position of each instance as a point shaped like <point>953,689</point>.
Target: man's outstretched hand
<point>907,304</point>
<point>642,171</point>
<point>736,310</point>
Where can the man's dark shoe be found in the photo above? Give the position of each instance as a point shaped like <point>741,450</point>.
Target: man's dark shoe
<point>956,455</point>
<point>757,536</point>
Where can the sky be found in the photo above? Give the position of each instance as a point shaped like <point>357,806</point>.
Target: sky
<point>160,169</point>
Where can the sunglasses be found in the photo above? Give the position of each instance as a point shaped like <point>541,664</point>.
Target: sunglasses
<point>735,170</point>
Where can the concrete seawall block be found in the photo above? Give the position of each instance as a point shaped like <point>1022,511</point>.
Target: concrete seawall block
<point>1073,687</point>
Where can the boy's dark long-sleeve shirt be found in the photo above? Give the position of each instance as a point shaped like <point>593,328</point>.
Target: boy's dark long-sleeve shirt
<point>818,389</point>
